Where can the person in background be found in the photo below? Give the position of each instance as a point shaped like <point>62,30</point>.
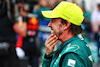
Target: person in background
<point>86,25</point>
<point>44,30</point>
<point>8,28</point>
<point>54,3</point>
<point>27,44</point>
<point>95,23</point>
<point>42,5</point>
<point>95,19</point>
<point>66,19</point>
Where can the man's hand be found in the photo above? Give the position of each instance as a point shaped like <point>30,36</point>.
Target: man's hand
<point>50,43</point>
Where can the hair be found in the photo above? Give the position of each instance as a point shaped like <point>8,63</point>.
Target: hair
<point>74,29</point>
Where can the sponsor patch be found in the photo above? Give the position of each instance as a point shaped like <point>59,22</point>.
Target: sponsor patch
<point>71,62</point>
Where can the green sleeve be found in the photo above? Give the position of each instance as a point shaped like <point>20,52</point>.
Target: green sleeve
<point>46,62</point>
<point>72,60</point>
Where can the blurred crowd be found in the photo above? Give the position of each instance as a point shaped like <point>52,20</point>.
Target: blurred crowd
<point>23,31</point>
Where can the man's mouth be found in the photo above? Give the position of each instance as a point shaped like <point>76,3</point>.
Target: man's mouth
<point>51,28</point>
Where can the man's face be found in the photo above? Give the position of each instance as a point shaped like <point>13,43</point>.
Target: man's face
<point>56,27</point>
<point>24,11</point>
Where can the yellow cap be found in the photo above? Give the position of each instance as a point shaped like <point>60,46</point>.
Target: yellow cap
<point>67,11</point>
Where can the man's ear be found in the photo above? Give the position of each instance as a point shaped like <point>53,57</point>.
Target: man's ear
<point>67,25</point>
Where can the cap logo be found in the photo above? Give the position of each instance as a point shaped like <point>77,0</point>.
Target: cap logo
<point>48,14</point>
<point>57,7</point>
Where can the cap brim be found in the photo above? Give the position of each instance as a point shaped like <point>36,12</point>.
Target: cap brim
<point>49,14</point>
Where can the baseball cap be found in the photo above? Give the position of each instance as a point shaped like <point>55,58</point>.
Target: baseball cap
<point>67,11</point>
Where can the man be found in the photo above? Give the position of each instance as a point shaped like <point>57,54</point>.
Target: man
<point>65,25</point>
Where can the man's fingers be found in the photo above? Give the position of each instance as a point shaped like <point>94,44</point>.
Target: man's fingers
<point>50,43</point>
<point>52,46</point>
<point>53,41</point>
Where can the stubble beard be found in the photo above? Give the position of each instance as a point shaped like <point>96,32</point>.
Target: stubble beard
<point>59,32</point>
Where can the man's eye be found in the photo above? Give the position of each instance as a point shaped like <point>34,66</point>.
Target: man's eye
<point>53,20</point>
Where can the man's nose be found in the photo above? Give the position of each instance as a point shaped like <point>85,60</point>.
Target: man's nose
<point>49,25</point>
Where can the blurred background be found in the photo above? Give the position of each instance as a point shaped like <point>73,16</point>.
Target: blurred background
<point>25,15</point>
